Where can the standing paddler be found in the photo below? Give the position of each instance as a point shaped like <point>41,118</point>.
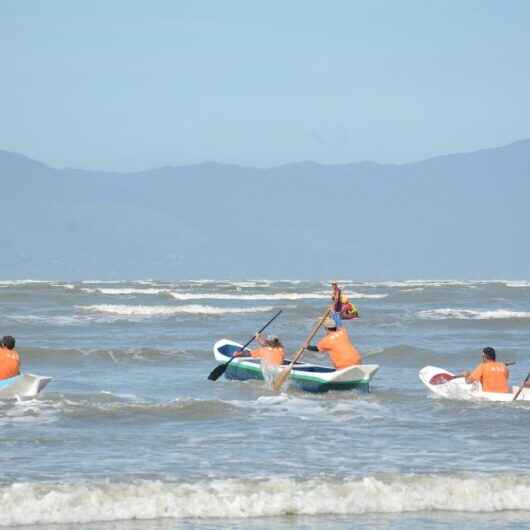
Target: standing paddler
<point>341,307</point>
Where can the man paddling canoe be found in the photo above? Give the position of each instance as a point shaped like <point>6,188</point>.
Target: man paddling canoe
<point>270,350</point>
<point>9,358</point>
<point>492,375</point>
<point>342,353</point>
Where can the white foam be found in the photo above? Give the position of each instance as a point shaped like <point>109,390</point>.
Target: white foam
<point>470,314</point>
<point>274,296</point>
<point>123,291</point>
<point>159,310</point>
<point>225,296</point>
<point>97,282</point>
<point>517,283</point>
<point>374,296</point>
<point>9,283</point>
<point>64,503</point>
<point>69,286</point>
<point>327,409</point>
<point>56,320</point>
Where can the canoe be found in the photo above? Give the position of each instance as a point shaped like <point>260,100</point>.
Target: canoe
<point>306,376</point>
<point>22,386</point>
<point>459,389</point>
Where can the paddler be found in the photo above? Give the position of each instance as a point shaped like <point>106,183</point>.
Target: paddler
<point>9,358</point>
<point>341,307</point>
<point>342,353</point>
<point>270,350</point>
<point>336,303</point>
<point>348,310</point>
<point>492,375</point>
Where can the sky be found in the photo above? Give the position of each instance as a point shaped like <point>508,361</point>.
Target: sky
<point>128,85</point>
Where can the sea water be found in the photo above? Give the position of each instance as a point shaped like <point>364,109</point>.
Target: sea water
<point>131,435</point>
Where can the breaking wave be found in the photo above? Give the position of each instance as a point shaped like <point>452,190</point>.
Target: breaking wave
<point>223,296</point>
<point>159,310</point>
<point>517,283</point>
<point>470,314</point>
<point>61,503</point>
<point>124,290</point>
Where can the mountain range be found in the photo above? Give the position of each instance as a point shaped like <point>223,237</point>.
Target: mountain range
<point>454,216</point>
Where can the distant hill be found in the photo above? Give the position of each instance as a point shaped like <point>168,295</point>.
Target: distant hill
<point>462,215</point>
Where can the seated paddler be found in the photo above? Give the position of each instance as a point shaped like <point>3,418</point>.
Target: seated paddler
<point>490,373</point>
<point>9,358</point>
<point>270,350</point>
<point>337,344</point>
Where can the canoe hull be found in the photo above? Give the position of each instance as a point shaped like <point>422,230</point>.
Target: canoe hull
<point>23,386</point>
<point>305,376</point>
<point>459,389</point>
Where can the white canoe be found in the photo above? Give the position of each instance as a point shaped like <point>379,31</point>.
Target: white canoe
<point>22,386</point>
<point>306,376</point>
<point>459,389</point>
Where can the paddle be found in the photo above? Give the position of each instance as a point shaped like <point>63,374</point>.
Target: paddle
<point>280,380</point>
<point>521,387</point>
<point>440,379</point>
<point>218,371</point>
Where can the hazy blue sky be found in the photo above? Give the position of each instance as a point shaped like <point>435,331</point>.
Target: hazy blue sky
<point>130,84</point>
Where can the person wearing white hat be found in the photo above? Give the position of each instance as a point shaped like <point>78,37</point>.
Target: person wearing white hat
<point>342,353</point>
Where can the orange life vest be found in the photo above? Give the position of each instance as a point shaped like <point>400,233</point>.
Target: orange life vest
<point>9,363</point>
<point>341,351</point>
<point>269,354</point>
<point>492,375</point>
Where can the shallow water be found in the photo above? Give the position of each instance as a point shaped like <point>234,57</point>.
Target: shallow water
<point>130,428</point>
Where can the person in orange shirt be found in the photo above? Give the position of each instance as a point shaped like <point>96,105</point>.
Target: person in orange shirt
<point>342,353</point>
<point>492,375</point>
<point>270,350</point>
<point>9,358</point>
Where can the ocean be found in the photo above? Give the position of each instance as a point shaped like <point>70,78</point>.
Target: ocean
<point>131,435</point>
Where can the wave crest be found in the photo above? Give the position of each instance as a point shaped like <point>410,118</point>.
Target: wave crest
<point>43,503</point>
<point>471,314</point>
<point>159,310</point>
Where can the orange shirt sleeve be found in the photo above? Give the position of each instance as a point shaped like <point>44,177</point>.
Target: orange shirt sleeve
<point>324,344</point>
<point>476,374</point>
<point>256,353</point>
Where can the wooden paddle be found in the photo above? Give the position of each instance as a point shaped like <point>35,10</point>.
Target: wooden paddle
<point>218,371</point>
<point>284,374</point>
<point>521,387</point>
<point>440,379</point>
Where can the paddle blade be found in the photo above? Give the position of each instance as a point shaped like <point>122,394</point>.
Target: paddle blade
<point>217,372</point>
<point>440,379</point>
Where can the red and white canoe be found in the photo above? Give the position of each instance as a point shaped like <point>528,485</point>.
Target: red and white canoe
<point>439,382</point>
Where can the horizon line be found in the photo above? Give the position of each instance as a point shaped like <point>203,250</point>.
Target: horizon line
<point>267,168</point>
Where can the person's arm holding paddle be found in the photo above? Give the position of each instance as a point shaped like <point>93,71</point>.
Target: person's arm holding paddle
<point>259,338</point>
<point>219,370</point>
